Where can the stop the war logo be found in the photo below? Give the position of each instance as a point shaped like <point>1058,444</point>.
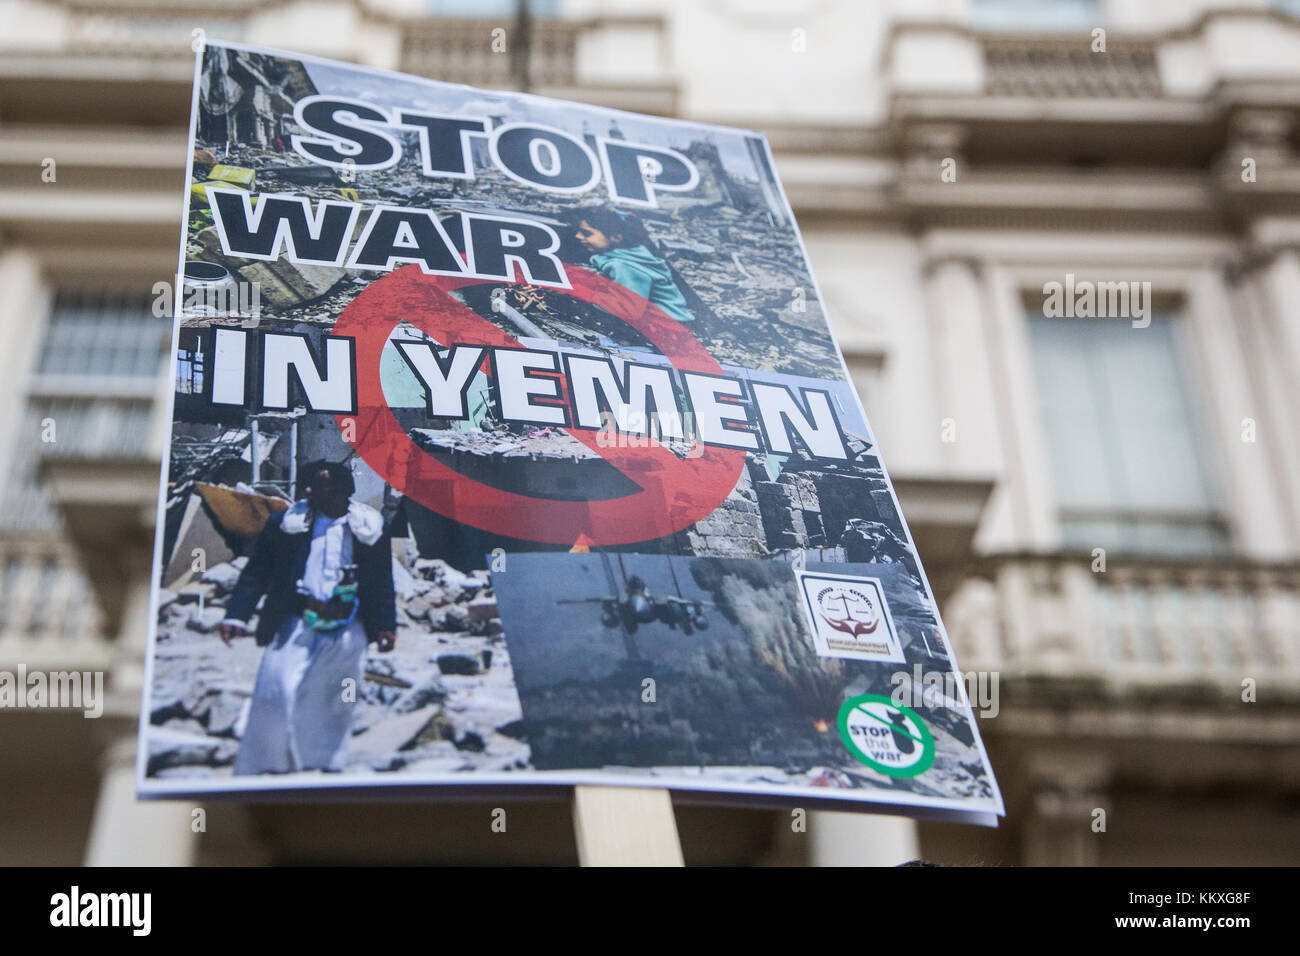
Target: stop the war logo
<point>890,739</point>
<point>849,617</point>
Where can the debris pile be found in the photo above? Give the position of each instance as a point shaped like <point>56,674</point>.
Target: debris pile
<point>443,701</point>
<point>734,528</point>
<point>810,506</point>
<point>728,241</point>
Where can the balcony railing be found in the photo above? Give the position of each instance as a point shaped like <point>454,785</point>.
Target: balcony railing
<point>462,51</point>
<point>1142,622</point>
<point>48,617</point>
<point>1061,67</point>
<point>457,50</point>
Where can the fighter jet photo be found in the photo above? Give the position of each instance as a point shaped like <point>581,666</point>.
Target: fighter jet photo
<point>632,603</point>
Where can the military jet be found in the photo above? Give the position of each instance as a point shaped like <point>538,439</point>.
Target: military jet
<point>633,604</point>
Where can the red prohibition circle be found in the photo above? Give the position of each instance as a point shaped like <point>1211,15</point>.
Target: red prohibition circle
<point>674,492</point>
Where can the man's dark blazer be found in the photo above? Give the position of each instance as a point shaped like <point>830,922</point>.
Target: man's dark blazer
<point>276,565</point>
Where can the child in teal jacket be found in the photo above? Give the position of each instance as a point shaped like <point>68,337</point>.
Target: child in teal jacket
<point>620,251</point>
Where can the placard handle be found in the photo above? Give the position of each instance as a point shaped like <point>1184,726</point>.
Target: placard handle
<point>625,826</point>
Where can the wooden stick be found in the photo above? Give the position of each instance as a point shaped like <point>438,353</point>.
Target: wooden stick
<point>625,826</point>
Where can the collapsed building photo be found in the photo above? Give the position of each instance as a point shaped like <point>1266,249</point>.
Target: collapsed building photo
<point>754,309</point>
<point>442,701</point>
<point>736,681</point>
<point>446,699</point>
<point>844,511</point>
<point>729,240</point>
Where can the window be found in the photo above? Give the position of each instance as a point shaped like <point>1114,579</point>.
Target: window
<point>9,574</point>
<point>46,580</point>
<point>102,334</point>
<point>1127,460</point>
<point>1026,15</point>
<point>865,371</point>
<point>191,366</point>
<point>90,393</point>
<point>490,9</point>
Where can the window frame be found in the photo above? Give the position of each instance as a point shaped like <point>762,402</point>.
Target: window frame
<point>1185,270</point>
<point>1171,309</point>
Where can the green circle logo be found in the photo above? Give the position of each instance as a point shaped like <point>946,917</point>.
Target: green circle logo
<point>885,736</point>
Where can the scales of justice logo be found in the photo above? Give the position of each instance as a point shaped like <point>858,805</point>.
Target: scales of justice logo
<point>849,616</point>
<point>848,609</point>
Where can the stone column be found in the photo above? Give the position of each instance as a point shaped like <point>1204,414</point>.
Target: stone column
<point>128,832</point>
<point>967,429</point>
<point>23,305</point>
<point>861,839</point>
<point>1065,792</point>
<point>1276,288</point>
<point>1252,486</point>
<point>1281,281</point>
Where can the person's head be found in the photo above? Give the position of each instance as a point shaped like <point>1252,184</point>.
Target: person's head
<point>600,229</point>
<point>329,487</point>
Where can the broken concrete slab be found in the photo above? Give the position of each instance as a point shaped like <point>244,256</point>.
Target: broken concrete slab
<point>207,620</point>
<point>284,284</point>
<point>428,692</point>
<point>222,575</point>
<point>482,608</point>
<point>394,734</point>
<point>463,664</point>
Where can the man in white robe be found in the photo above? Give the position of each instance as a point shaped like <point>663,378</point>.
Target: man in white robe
<point>300,713</point>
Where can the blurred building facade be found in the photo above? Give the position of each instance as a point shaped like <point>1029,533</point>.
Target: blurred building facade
<point>1108,508</point>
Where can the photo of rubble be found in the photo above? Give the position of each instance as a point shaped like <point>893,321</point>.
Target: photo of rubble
<point>337,604</point>
<point>835,510</point>
<point>445,701</point>
<point>729,244</point>
<point>668,663</point>
<point>442,702</point>
<point>234,470</point>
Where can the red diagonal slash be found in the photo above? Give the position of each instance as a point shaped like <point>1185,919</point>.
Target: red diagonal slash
<point>674,493</point>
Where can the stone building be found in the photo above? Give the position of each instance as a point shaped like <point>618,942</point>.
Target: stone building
<point>1109,507</point>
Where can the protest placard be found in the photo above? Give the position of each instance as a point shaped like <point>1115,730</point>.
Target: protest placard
<point>511,447</point>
